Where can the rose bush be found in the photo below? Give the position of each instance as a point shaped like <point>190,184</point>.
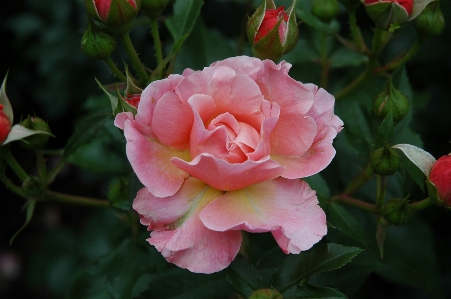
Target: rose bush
<point>222,150</point>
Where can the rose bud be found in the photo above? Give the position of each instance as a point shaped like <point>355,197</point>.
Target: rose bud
<point>115,14</point>
<point>325,10</point>
<point>385,161</point>
<point>153,8</point>
<point>389,12</point>
<point>133,99</point>
<point>5,125</point>
<point>440,177</point>
<point>96,43</point>
<point>391,99</point>
<point>272,31</point>
<point>37,140</point>
<point>430,21</point>
<point>397,211</point>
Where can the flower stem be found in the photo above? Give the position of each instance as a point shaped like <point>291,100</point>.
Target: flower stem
<point>15,166</point>
<point>325,65</point>
<point>400,60</point>
<point>10,185</point>
<point>420,205</point>
<point>137,65</point>
<point>156,40</point>
<point>356,33</point>
<point>346,199</point>
<point>381,185</point>
<point>114,69</point>
<point>73,199</point>
<point>52,175</point>
<point>42,168</point>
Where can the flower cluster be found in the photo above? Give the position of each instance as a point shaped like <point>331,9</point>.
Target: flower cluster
<point>221,150</point>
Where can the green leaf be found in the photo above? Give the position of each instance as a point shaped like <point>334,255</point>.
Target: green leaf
<point>345,57</point>
<point>320,258</point>
<point>348,224</point>
<point>243,276</point>
<point>85,132</point>
<point>19,132</point>
<point>7,109</point>
<point>313,21</point>
<point>307,291</point>
<point>118,194</point>
<point>385,132</point>
<point>29,214</point>
<point>184,18</point>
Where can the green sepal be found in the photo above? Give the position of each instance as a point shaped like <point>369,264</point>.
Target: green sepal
<point>385,14</point>
<point>7,109</point>
<point>30,204</point>
<point>255,21</point>
<point>270,46</point>
<point>433,193</point>
<point>132,83</point>
<point>19,132</point>
<point>292,29</point>
<point>125,105</point>
<point>113,99</point>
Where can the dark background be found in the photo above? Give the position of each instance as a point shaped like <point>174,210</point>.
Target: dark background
<point>50,77</point>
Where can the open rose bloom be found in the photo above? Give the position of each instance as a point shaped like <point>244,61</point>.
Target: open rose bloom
<point>221,150</point>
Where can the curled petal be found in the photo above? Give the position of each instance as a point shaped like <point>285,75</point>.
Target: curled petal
<point>178,232</point>
<point>223,175</point>
<point>288,208</point>
<point>150,161</point>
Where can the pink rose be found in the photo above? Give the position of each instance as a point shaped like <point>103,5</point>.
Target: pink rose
<point>222,150</point>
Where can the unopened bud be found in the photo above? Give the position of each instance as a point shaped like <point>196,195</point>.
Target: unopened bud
<point>391,99</point>
<point>96,43</point>
<point>325,10</point>
<point>153,8</point>
<point>397,211</point>
<point>272,31</point>
<point>430,21</point>
<point>5,125</point>
<point>37,140</point>
<point>440,177</point>
<point>386,13</point>
<point>385,161</point>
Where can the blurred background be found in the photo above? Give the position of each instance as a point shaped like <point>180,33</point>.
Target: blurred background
<point>49,76</point>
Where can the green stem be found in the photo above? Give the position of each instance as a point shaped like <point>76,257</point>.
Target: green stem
<point>156,40</point>
<point>115,70</point>
<point>346,199</point>
<point>420,205</point>
<point>381,185</point>
<point>11,186</point>
<point>42,168</point>
<point>15,166</point>
<point>137,65</point>
<point>356,33</point>
<point>53,173</point>
<point>400,60</point>
<point>73,199</point>
<point>361,179</point>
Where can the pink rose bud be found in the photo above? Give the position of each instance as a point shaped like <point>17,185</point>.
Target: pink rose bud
<point>116,14</point>
<point>133,99</point>
<point>272,31</point>
<point>389,12</point>
<point>5,125</point>
<point>440,176</point>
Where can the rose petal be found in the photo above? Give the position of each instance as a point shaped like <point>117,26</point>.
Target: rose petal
<point>288,208</point>
<point>151,162</point>
<point>223,175</point>
<point>149,98</point>
<point>178,232</point>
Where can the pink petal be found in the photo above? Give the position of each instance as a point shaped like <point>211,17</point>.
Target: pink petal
<point>172,121</point>
<point>150,161</point>
<point>242,65</point>
<point>178,232</point>
<point>288,208</point>
<point>149,98</point>
<point>223,175</point>
<point>121,118</point>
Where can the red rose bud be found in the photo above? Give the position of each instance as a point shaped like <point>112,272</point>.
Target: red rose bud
<point>389,12</point>
<point>5,125</point>
<point>116,14</point>
<point>133,99</point>
<point>430,21</point>
<point>272,31</point>
<point>440,176</point>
